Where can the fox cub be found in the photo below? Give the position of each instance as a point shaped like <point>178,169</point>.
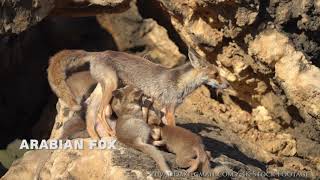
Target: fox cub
<point>185,144</point>
<point>131,129</point>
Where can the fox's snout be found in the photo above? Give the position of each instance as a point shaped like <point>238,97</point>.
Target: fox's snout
<point>217,85</point>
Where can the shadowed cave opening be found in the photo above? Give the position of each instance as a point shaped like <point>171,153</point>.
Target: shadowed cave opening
<point>25,96</point>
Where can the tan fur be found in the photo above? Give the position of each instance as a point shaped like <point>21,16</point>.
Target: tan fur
<point>185,144</point>
<point>60,63</point>
<point>131,129</point>
<point>109,82</point>
<point>93,104</point>
<point>150,111</point>
<point>58,82</point>
<point>81,85</point>
<point>168,86</point>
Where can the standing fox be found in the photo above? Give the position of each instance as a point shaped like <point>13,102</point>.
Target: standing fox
<point>168,86</point>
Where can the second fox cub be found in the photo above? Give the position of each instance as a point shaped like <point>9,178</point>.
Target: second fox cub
<point>185,144</point>
<point>167,86</point>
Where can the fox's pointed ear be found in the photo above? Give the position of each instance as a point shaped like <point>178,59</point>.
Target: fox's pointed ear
<point>195,59</point>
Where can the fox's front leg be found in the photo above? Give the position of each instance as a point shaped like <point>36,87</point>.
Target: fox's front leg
<point>169,115</point>
<point>146,105</point>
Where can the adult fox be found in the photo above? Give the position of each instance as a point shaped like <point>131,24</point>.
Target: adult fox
<point>167,86</point>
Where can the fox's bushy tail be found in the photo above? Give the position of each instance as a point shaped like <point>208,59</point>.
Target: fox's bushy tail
<point>59,64</point>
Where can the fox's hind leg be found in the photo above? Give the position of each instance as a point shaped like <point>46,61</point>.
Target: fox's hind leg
<point>105,110</point>
<point>103,121</point>
<point>107,77</point>
<point>93,103</point>
<point>91,129</point>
